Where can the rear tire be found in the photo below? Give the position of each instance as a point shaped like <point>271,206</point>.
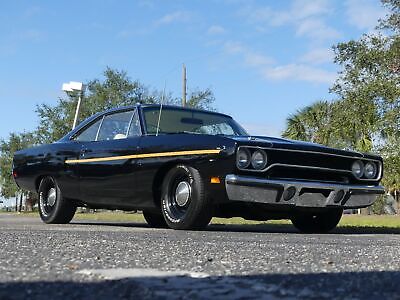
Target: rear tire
<point>321,222</point>
<point>184,203</point>
<point>155,220</point>
<point>53,207</point>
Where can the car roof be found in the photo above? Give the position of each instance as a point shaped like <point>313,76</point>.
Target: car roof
<point>116,109</point>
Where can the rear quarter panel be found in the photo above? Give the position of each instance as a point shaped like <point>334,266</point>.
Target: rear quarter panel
<point>32,164</point>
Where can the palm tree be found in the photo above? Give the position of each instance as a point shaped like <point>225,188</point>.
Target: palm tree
<point>311,123</point>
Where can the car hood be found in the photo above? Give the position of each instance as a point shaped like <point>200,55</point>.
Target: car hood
<point>280,143</point>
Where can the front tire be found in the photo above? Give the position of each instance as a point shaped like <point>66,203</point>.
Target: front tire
<point>53,207</point>
<point>321,222</point>
<point>184,203</point>
<point>155,220</point>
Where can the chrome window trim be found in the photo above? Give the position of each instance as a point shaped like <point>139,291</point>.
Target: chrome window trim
<point>130,123</point>
<point>379,164</point>
<point>135,113</point>
<point>98,129</point>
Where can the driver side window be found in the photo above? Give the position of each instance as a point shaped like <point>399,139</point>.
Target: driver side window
<point>115,126</point>
<point>90,133</point>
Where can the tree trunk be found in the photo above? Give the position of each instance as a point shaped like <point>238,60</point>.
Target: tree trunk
<point>16,203</point>
<point>20,203</point>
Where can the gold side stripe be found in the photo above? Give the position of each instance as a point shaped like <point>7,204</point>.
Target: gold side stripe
<point>150,155</point>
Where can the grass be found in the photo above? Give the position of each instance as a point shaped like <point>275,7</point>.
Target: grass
<point>363,221</point>
<point>384,221</point>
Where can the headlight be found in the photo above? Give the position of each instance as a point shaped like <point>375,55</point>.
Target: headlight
<point>259,159</point>
<point>358,168</point>
<point>243,158</point>
<point>370,170</point>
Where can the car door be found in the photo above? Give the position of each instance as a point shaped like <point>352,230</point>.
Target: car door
<point>107,164</point>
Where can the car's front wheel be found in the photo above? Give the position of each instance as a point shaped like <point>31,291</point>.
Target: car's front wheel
<point>154,219</point>
<point>319,222</point>
<point>53,207</point>
<point>183,199</point>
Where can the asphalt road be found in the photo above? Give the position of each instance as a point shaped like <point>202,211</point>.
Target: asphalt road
<point>89,260</point>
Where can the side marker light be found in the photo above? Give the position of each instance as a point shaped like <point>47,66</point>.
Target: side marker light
<point>215,180</point>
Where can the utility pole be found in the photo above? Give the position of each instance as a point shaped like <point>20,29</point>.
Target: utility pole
<point>184,85</point>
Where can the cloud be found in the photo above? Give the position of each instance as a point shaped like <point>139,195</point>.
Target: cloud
<point>168,19</point>
<point>307,17</point>
<point>318,56</point>
<point>254,59</point>
<point>316,29</point>
<point>216,30</point>
<point>234,47</point>
<point>270,70</point>
<point>364,14</point>
<point>174,17</point>
<point>250,58</point>
<point>302,9</point>
<point>300,72</point>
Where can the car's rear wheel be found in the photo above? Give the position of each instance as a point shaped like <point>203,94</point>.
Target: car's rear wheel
<point>183,199</point>
<point>154,219</point>
<point>53,207</point>
<point>320,222</point>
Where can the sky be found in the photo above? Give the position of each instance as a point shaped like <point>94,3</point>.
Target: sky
<point>262,59</point>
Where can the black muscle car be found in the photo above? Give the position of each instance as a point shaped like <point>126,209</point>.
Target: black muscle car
<point>183,166</point>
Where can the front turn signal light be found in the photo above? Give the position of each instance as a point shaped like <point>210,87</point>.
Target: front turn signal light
<point>215,180</point>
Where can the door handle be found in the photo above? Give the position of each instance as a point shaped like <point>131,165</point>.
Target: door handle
<point>85,151</point>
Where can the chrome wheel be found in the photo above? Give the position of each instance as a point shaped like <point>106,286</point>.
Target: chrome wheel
<point>179,196</point>
<point>51,197</point>
<point>48,199</point>
<point>182,193</point>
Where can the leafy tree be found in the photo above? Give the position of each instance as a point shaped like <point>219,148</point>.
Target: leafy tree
<point>8,147</point>
<point>354,122</point>
<point>202,99</point>
<point>311,123</point>
<point>369,86</point>
<point>366,115</point>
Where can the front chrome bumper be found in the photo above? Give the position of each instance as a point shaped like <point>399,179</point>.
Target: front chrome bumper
<point>300,193</point>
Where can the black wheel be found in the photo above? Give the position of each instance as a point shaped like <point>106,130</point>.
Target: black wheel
<point>321,222</point>
<point>154,219</point>
<point>53,207</point>
<point>183,199</point>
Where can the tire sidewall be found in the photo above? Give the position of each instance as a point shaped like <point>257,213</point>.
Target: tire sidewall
<point>317,222</point>
<point>197,196</point>
<point>44,188</point>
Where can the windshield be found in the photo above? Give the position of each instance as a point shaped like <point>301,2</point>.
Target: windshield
<point>175,120</point>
